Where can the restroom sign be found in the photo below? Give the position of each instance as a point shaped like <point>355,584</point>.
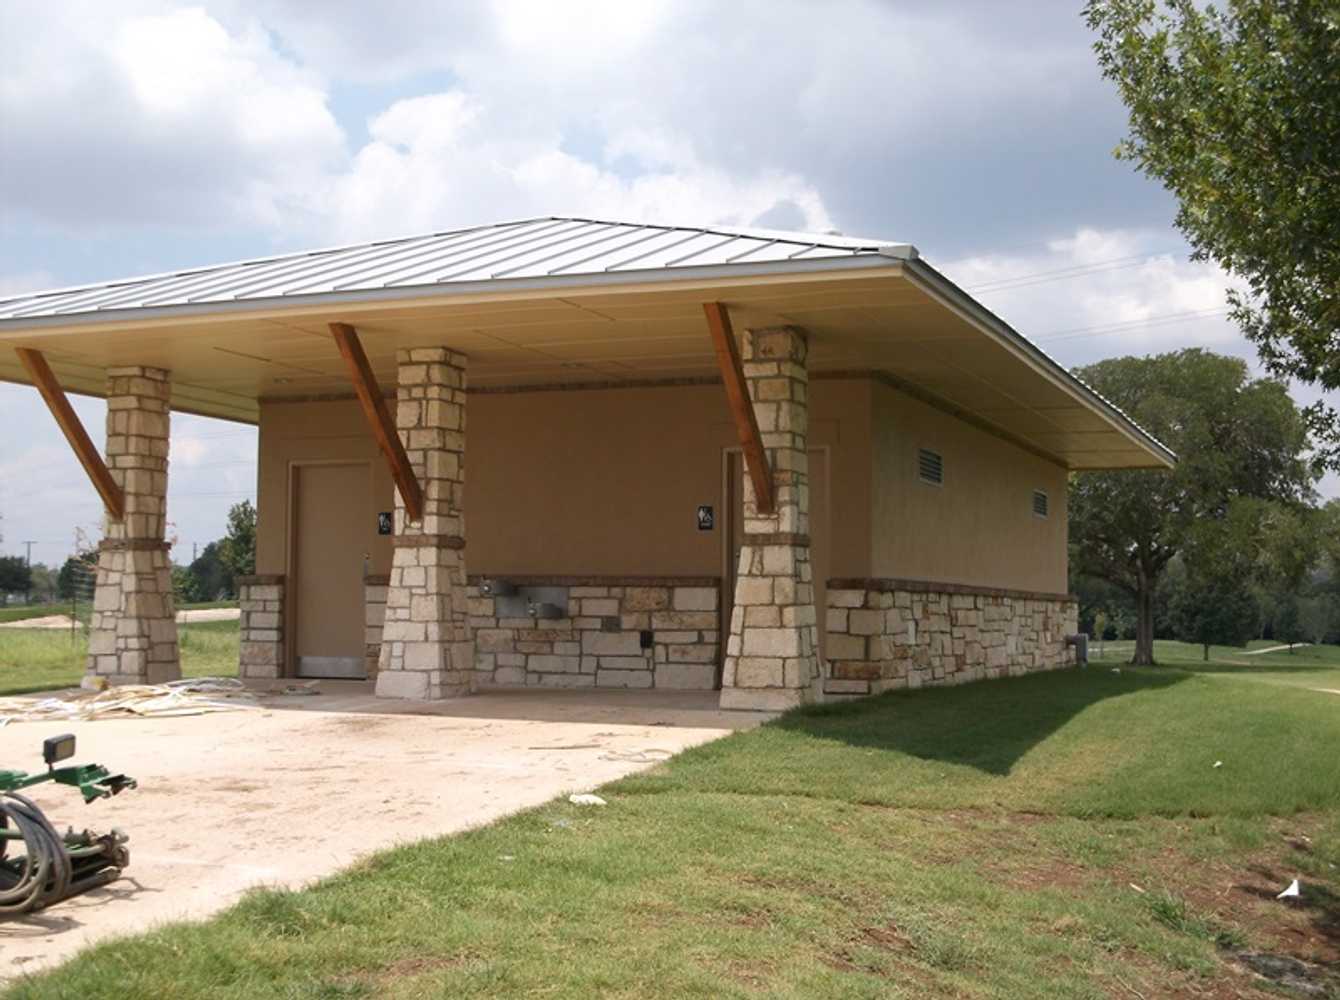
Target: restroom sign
<point>707,518</point>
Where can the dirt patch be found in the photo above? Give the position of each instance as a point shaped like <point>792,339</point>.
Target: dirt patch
<point>1240,892</point>
<point>753,975</point>
<point>896,962</point>
<point>1038,874</point>
<point>422,965</point>
<point>755,920</point>
<point>888,937</point>
<point>1143,981</point>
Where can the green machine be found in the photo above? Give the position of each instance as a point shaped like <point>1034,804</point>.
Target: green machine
<point>55,866</point>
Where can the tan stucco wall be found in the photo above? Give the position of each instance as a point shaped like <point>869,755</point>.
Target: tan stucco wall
<point>978,528</point>
<point>307,432</point>
<point>598,482</point>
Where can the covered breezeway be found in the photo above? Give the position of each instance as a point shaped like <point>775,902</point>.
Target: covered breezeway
<point>301,787</point>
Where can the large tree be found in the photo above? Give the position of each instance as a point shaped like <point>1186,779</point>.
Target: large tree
<point>211,576</point>
<point>237,548</point>
<point>15,577</point>
<point>1236,437</point>
<point>1237,112</point>
<point>1222,559</point>
<point>77,577</point>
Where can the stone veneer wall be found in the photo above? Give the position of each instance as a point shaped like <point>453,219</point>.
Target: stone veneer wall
<point>374,614</point>
<point>261,653</point>
<point>885,634</point>
<point>599,643</point>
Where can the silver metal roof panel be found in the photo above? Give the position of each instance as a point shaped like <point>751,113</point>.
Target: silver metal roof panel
<point>522,249</point>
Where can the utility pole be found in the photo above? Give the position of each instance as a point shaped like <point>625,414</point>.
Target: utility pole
<point>28,561</point>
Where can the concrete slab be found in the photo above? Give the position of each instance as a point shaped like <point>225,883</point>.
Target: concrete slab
<point>304,786</point>
<point>183,617</point>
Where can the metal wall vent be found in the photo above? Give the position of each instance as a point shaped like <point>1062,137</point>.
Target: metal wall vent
<point>1041,506</point>
<point>930,467</point>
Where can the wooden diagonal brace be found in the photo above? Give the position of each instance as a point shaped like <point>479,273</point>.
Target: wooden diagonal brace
<point>379,418</point>
<point>113,498</point>
<point>741,407</point>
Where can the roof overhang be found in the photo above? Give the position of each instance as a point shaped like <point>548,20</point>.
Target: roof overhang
<point>887,313</point>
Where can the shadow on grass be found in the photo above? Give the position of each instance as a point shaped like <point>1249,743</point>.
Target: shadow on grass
<point>988,725</point>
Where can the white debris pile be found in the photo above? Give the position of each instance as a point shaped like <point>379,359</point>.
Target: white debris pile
<point>586,799</point>
<point>189,696</point>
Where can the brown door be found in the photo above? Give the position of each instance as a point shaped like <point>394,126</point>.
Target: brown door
<point>332,511</point>
<point>819,537</point>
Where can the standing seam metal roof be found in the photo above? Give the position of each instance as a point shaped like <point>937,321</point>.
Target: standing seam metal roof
<point>530,248</point>
<point>540,248</point>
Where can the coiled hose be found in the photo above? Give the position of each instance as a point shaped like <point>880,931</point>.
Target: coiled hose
<point>41,877</point>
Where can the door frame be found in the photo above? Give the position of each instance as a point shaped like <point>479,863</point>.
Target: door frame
<point>291,561</point>
<point>727,537</point>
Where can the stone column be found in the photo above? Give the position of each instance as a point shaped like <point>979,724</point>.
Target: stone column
<point>133,637</point>
<point>427,649</point>
<point>260,654</point>
<point>772,654</point>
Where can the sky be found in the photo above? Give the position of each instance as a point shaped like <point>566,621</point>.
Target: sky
<point>143,136</point>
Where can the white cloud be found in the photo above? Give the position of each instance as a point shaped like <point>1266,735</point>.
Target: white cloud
<point>691,111</point>
<point>25,281</point>
<point>143,114</point>
<point>1098,293</point>
<point>187,450</point>
<point>450,159</point>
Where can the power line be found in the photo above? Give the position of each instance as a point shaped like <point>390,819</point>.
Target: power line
<point>1062,274</point>
<point>183,468</point>
<point>225,434</point>
<point>1096,331</point>
<point>236,493</point>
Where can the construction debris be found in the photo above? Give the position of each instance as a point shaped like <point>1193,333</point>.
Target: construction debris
<point>586,799</point>
<point>189,696</point>
<point>297,688</point>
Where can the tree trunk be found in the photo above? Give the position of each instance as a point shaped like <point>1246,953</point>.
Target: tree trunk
<point>1144,624</point>
<point>1205,652</point>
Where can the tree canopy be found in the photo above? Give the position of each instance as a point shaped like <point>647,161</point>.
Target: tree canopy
<point>1237,438</point>
<point>15,576</point>
<point>237,548</point>
<point>1237,112</point>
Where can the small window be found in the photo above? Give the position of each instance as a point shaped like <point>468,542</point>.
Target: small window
<point>1041,505</point>
<point>930,467</point>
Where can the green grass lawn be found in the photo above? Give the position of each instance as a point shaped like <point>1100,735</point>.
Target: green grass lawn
<point>1306,666</point>
<point>20,612</point>
<point>42,659</point>
<point>1061,835</point>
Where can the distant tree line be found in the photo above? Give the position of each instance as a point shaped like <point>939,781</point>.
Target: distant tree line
<point>211,576</point>
<point>1229,545</point>
<point>208,577</point>
<point>15,575</point>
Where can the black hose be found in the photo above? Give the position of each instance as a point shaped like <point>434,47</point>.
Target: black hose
<point>42,876</point>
